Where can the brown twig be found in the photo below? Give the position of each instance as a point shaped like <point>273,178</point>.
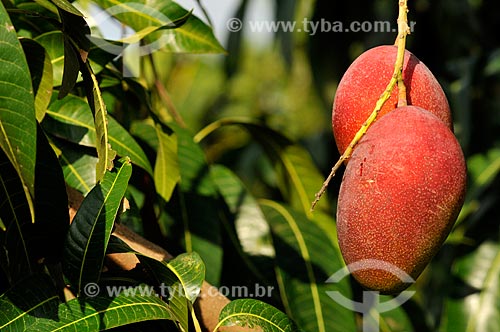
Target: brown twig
<point>397,78</point>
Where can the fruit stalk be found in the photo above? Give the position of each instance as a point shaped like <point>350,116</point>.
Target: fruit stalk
<point>397,78</point>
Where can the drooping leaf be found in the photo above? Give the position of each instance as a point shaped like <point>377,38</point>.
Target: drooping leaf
<point>48,233</point>
<point>253,313</point>
<point>41,74</point>
<point>15,214</point>
<point>29,299</point>
<point>71,68</point>
<point>89,233</point>
<point>298,179</point>
<point>305,260</point>
<point>146,18</point>
<point>179,280</point>
<point>477,306</point>
<point>251,226</point>
<point>197,203</point>
<point>67,6</point>
<point>72,120</point>
<point>104,312</point>
<point>105,153</point>
<point>78,166</point>
<point>17,108</point>
<point>53,42</point>
<point>166,172</point>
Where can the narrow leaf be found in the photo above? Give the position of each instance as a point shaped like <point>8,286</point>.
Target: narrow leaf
<point>192,36</point>
<point>305,259</point>
<point>105,153</point>
<point>72,120</point>
<point>179,280</point>
<point>41,74</point>
<point>53,42</point>
<point>27,300</point>
<point>17,108</point>
<point>253,313</point>
<point>299,179</point>
<point>478,306</point>
<point>15,214</point>
<point>67,6</point>
<point>89,233</point>
<point>197,204</point>
<point>166,172</point>
<point>104,312</point>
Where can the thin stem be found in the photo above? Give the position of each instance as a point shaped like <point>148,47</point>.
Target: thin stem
<point>165,97</point>
<point>397,78</point>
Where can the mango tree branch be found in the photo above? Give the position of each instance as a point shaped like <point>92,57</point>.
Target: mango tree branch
<point>397,78</point>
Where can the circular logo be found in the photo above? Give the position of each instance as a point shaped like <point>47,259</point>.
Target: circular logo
<point>370,298</point>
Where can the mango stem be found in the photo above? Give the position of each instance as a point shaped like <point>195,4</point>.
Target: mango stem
<point>397,78</point>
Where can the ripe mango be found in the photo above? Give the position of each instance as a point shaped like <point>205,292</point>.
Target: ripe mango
<point>366,79</point>
<point>400,196</point>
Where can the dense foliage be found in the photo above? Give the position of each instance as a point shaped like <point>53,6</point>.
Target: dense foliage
<point>217,158</point>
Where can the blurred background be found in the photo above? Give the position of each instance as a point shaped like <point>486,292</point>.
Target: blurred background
<point>287,81</point>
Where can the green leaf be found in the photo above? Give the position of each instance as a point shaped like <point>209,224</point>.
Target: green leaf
<point>67,6</point>
<point>251,226</point>
<point>72,120</point>
<point>146,18</point>
<point>89,233</point>
<point>198,205</point>
<point>17,108</point>
<point>78,166</point>
<point>190,271</point>
<point>71,69</point>
<point>305,259</point>
<point>103,312</point>
<point>14,211</point>
<point>252,313</point>
<point>41,74</point>
<point>48,234</point>
<point>26,301</point>
<point>478,307</point>
<point>299,178</point>
<point>166,172</point>
<point>53,42</point>
<point>105,153</point>
<point>180,279</point>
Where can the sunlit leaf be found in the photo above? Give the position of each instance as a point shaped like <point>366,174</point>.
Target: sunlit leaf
<point>103,312</point>
<point>53,42</point>
<point>17,108</point>
<point>72,120</point>
<point>27,300</point>
<point>478,306</point>
<point>67,6</point>
<point>146,18</point>
<point>196,205</point>
<point>41,75</point>
<point>179,280</point>
<point>298,179</point>
<point>78,166</point>
<point>253,313</point>
<point>105,153</point>
<point>251,227</point>
<point>166,172</point>
<point>305,260</point>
